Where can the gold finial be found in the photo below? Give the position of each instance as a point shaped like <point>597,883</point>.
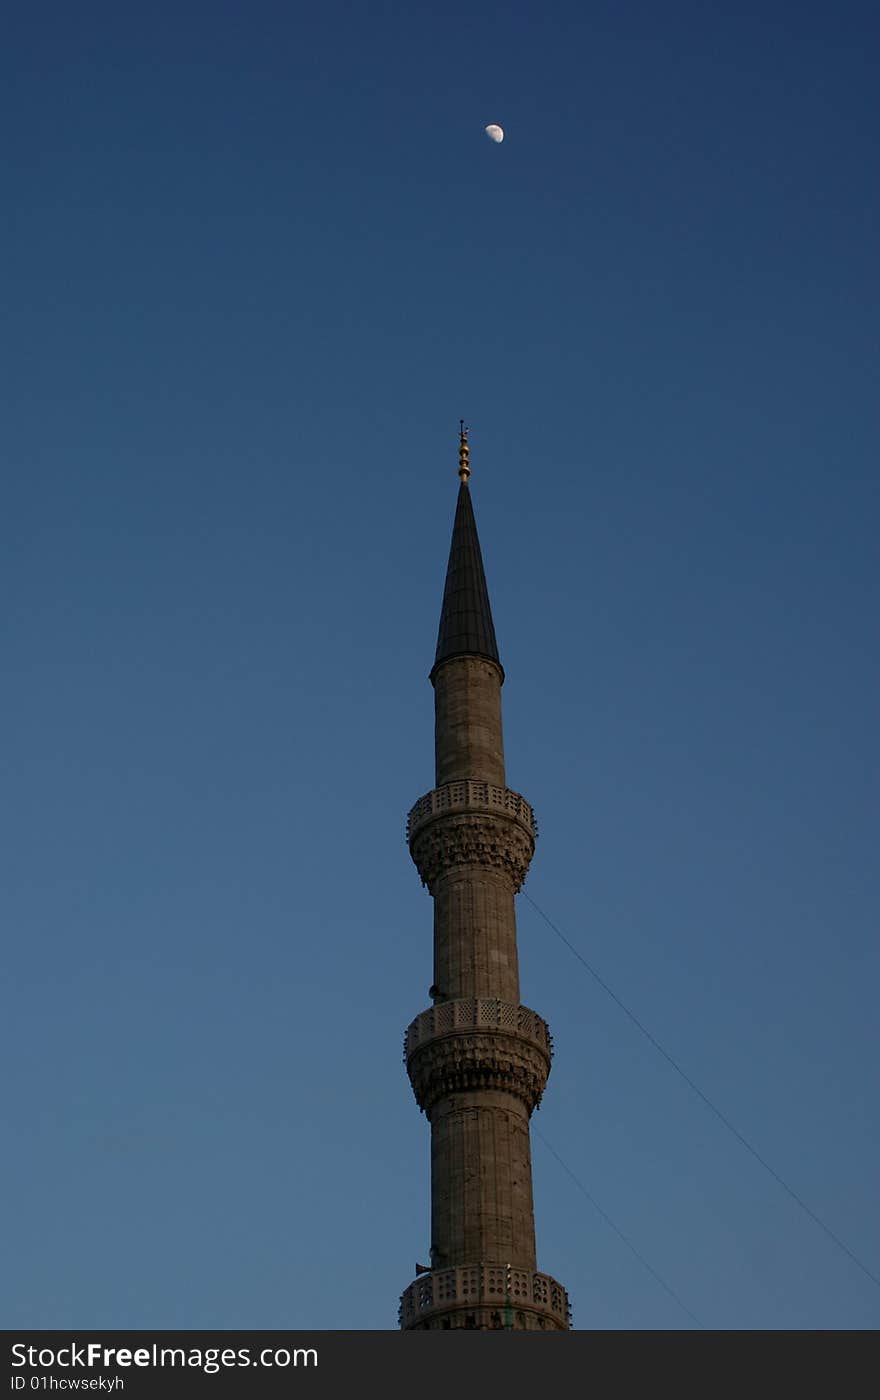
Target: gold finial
<point>464,469</point>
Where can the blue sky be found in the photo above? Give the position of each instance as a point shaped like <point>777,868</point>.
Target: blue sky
<point>258,262</point>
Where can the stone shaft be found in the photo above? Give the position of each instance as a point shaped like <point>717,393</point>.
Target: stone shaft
<point>475,935</point>
<point>481,1180</point>
<point>468,740</point>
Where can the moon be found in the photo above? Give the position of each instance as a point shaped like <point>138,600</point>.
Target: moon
<point>495,133</point>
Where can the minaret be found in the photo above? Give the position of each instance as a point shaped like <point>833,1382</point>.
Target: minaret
<point>477,1060</point>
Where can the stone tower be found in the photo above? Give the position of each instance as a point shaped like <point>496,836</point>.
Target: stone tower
<point>477,1060</point>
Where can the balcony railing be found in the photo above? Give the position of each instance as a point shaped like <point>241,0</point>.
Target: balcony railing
<point>483,1013</point>
<point>484,1285</point>
<point>470,796</point>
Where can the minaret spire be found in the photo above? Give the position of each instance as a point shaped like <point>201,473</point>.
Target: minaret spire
<point>477,1060</point>
<point>466,626</point>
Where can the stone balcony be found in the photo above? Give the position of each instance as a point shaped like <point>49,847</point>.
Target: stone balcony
<point>472,1045</point>
<point>471,824</point>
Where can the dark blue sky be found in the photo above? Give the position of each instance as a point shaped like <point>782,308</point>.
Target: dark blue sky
<point>258,260</point>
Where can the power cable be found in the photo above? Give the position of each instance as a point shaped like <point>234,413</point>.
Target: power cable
<point>608,1221</point>
<point>705,1098</point>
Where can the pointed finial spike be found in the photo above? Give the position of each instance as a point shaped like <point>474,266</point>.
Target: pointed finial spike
<point>464,469</point>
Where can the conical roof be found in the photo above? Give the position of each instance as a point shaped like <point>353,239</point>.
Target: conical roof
<point>466,627</point>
